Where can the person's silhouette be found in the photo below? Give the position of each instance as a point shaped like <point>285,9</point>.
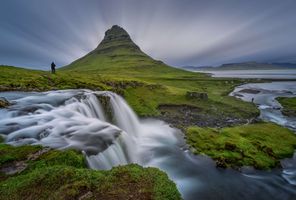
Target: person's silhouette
<point>53,68</point>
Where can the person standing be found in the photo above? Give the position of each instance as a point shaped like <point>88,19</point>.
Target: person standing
<point>53,68</point>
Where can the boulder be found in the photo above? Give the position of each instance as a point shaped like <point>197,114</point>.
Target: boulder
<point>4,103</point>
<point>106,106</point>
<point>229,146</point>
<point>197,95</point>
<point>250,91</point>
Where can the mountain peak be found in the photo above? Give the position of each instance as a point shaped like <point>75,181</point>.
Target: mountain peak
<point>116,37</point>
<point>116,32</point>
<point>117,51</point>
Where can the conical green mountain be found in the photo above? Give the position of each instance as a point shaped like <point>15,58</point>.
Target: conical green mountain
<point>118,52</point>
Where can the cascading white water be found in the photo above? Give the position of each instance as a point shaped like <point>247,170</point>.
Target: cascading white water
<point>78,121</point>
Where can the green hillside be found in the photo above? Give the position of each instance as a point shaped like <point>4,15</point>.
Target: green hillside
<point>119,54</point>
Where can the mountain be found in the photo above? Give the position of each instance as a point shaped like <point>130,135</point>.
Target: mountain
<point>197,68</point>
<point>117,52</point>
<point>286,65</point>
<point>245,66</point>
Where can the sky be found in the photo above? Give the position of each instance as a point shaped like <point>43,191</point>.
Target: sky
<point>33,33</point>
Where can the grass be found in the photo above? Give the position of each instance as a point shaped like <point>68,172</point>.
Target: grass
<point>261,145</point>
<point>289,105</point>
<point>144,91</point>
<point>63,182</point>
<point>63,175</point>
<point>10,154</point>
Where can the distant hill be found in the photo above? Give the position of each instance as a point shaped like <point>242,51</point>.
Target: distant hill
<point>245,66</point>
<point>118,53</point>
<point>286,65</point>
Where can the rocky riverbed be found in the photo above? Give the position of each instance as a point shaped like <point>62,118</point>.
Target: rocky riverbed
<point>182,116</point>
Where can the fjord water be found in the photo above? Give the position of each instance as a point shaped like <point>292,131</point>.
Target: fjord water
<point>107,131</point>
<point>258,74</point>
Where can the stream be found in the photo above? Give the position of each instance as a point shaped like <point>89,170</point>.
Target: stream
<point>110,134</point>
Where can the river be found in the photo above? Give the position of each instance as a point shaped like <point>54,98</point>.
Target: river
<point>113,135</point>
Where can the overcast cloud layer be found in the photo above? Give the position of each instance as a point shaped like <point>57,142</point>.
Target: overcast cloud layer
<point>180,32</point>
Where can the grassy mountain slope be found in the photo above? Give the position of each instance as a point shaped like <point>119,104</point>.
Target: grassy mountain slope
<point>117,53</point>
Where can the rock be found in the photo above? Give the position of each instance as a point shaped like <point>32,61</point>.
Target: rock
<point>181,116</point>
<point>87,195</point>
<point>250,91</point>
<point>221,163</point>
<point>4,103</point>
<point>238,95</point>
<point>230,146</point>
<point>14,168</point>
<point>289,113</point>
<point>197,95</point>
<point>105,102</point>
<point>19,166</point>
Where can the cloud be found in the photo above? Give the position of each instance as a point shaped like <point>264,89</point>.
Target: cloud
<point>188,32</point>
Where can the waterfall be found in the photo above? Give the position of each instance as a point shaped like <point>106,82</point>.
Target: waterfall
<point>76,120</point>
<point>107,131</point>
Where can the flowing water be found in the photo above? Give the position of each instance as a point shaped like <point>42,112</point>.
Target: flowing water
<point>264,96</point>
<point>108,132</point>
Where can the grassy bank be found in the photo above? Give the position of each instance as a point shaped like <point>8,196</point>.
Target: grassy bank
<point>147,93</point>
<point>261,145</point>
<point>289,105</point>
<point>31,172</point>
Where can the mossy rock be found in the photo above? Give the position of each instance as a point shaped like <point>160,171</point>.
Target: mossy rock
<point>9,154</point>
<point>4,103</point>
<point>197,95</point>
<point>54,174</point>
<point>65,182</point>
<point>289,105</point>
<point>260,145</point>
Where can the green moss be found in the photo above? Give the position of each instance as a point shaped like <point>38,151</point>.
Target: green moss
<point>261,145</point>
<point>64,182</point>
<point>55,157</point>
<point>10,154</point>
<point>289,105</point>
<point>53,174</point>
